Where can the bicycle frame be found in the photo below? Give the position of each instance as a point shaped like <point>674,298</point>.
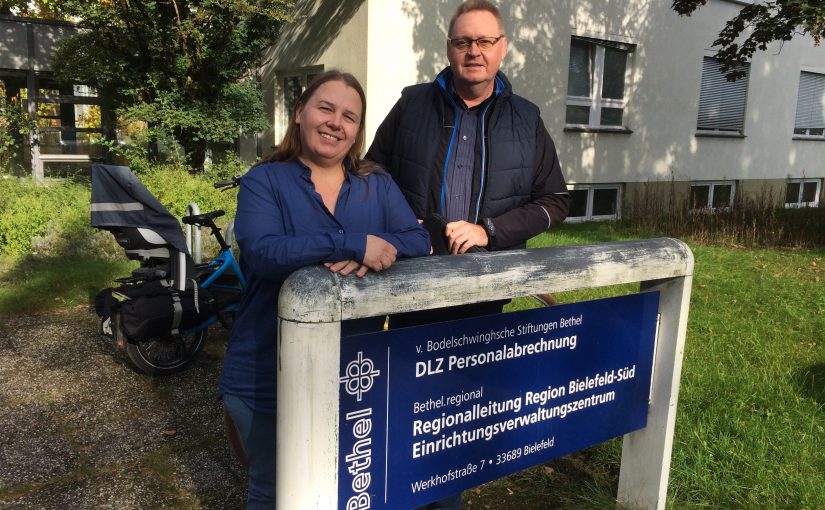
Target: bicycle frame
<point>162,293</point>
<point>225,261</point>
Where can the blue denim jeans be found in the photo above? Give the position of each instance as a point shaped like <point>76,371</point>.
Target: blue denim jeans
<point>256,432</point>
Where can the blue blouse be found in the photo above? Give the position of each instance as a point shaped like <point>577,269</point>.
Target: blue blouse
<point>282,225</point>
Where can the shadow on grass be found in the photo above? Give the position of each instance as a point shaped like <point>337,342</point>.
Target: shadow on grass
<point>35,284</point>
<point>812,382</point>
<point>574,482</point>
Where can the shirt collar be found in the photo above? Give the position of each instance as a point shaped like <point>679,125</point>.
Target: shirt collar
<point>306,173</point>
<point>446,82</point>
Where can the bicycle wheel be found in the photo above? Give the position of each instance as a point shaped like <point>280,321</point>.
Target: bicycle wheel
<point>166,355</point>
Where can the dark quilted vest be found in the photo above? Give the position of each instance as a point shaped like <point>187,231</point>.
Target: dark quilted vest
<point>423,138</point>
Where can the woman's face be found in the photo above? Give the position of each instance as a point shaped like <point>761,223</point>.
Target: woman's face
<point>329,123</point>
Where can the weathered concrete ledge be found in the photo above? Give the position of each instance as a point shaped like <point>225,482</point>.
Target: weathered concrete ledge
<point>313,294</point>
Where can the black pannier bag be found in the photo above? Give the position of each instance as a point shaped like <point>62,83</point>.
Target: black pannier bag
<point>153,309</point>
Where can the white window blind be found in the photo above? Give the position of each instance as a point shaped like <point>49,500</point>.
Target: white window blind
<point>721,102</point>
<point>810,106</point>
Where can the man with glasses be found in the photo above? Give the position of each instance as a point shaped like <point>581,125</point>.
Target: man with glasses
<point>465,147</point>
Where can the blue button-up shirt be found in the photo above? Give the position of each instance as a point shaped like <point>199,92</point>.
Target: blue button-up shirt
<point>459,178</point>
<point>281,225</point>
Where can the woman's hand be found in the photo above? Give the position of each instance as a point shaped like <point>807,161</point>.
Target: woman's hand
<point>345,267</point>
<point>379,254</point>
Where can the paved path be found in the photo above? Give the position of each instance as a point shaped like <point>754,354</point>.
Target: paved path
<point>79,429</point>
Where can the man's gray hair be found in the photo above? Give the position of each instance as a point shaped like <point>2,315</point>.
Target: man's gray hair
<point>476,5</point>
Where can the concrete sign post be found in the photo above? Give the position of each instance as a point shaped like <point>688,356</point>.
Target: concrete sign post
<point>315,473</point>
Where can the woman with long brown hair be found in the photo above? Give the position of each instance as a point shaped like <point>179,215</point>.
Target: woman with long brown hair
<point>314,201</point>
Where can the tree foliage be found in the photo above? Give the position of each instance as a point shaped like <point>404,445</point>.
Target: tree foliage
<point>182,66</point>
<point>50,9</point>
<point>15,125</point>
<point>761,23</point>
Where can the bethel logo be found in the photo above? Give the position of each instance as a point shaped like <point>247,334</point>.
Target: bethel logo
<point>360,374</point>
<point>359,377</point>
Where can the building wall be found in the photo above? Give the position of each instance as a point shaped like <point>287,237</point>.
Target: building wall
<point>390,44</point>
<point>763,191</point>
<point>13,46</point>
<point>663,101</point>
<point>391,53</point>
<point>27,47</point>
<point>324,35</point>
<point>675,193</point>
<point>47,34</point>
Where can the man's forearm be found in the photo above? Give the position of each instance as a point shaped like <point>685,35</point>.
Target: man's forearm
<point>520,224</point>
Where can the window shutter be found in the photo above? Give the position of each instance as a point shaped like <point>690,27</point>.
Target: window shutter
<point>721,102</point>
<point>810,106</point>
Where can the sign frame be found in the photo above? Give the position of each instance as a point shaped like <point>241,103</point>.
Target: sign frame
<point>432,410</point>
<point>313,301</point>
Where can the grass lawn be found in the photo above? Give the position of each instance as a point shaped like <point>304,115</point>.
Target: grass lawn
<point>32,284</point>
<point>750,430</point>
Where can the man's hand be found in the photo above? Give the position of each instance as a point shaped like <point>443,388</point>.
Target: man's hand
<point>462,235</point>
<point>380,254</point>
<point>345,267</point>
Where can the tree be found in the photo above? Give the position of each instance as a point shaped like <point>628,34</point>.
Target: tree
<point>763,22</point>
<point>32,8</point>
<point>15,125</point>
<point>182,66</point>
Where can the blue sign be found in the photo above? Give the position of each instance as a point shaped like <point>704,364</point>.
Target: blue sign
<point>432,410</point>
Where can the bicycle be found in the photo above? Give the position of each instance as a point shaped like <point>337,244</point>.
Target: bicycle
<point>160,315</point>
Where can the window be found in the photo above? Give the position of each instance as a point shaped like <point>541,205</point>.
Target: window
<point>69,119</point>
<point>596,83</point>
<point>802,193</point>
<point>594,202</point>
<point>810,106</point>
<point>69,123</point>
<point>721,102</point>
<point>292,84</point>
<point>712,196</point>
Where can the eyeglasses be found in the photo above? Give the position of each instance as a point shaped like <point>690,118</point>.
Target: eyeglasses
<point>483,43</point>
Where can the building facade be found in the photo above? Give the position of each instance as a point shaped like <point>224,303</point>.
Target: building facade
<point>628,89</point>
<point>69,117</point>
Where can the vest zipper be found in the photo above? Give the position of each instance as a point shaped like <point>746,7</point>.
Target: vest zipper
<point>483,168</point>
<point>447,162</point>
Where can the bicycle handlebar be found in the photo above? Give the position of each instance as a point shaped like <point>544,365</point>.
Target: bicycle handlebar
<point>224,185</point>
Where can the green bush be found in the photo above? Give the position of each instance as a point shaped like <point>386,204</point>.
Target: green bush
<point>15,125</point>
<point>53,220</point>
<point>176,188</point>
<point>758,220</point>
<point>28,211</point>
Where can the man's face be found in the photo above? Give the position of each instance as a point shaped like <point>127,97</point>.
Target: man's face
<point>475,67</point>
